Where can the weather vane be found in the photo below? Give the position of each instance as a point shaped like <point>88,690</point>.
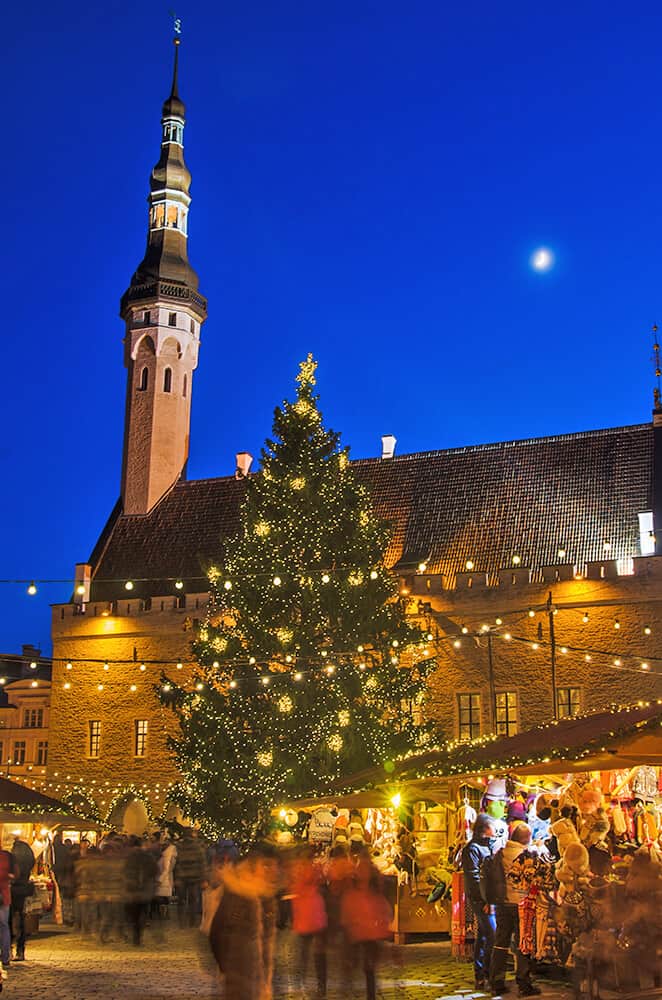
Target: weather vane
<point>176,22</point>
<point>657,391</point>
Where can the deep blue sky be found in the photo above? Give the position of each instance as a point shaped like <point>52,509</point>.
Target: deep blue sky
<point>368,183</point>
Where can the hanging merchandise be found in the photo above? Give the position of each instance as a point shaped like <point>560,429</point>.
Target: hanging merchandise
<point>644,783</point>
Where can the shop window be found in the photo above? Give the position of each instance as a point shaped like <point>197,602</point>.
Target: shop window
<point>567,702</point>
<point>19,752</point>
<point>33,718</point>
<point>172,319</point>
<point>42,753</point>
<point>144,377</point>
<point>506,713</point>
<point>93,738</point>
<point>469,715</point>
<point>140,737</point>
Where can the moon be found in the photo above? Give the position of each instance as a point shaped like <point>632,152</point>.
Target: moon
<point>542,259</point>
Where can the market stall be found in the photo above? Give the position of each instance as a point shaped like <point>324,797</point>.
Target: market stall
<point>590,789</point>
<point>414,865</point>
<point>29,816</point>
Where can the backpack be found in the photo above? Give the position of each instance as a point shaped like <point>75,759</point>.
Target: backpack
<point>493,879</point>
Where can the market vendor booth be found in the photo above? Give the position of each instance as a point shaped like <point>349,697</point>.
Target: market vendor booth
<point>35,819</point>
<point>417,876</point>
<point>590,789</point>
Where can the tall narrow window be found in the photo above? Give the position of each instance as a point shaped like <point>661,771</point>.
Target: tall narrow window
<point>506,713</point>
<point>192,326</point>
<point>19,751</point>
<point>172,319</point>
<point>167,380</point>
<point>147,316</point>
<point>33,718</point>
<point>93,737</point>
<point>144,375</point>
<point>42,753</point>
<point>567,702</point>
<point>140,737</point>
<point>469,715</point>
<point>185,386</point>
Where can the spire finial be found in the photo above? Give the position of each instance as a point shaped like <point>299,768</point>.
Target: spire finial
<point>657,391</point>
<point>177,30</point>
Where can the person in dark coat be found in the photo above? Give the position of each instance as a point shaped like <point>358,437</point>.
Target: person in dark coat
<point>140,872</point>
<point>23,860</point>
<point>190,870</point>
<point>473,855</point>
<point>244,926</point>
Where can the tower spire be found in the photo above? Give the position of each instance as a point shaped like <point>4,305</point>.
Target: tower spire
<point>163,312</point>
<point>657,389</point>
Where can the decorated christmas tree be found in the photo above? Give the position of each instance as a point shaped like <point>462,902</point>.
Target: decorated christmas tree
<point>308,668</point>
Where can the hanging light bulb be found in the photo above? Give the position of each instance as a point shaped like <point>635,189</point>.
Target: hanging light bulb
<point>179,666</point>
<point>516,560</point>
<point>80,589</point>
<point>498,621</point>
<point>469,564</point>
<point>457,643</point>
<point>106,667</point>
<point>585,617</point>
<point>422,567</point>
<point>265,680</point>
<point>199,686</point>
<point>133,687</point>
<point>531,613</point>
<point>429,637</point>
<point>647,630</point>
<point>179,584</point>
<point>66,685</point>
<point>325,577</point>
<point>617,624</point>
<point>167,687</point>
<point>618,662</point>
<point>69,666</point>
<point>561,553</point>
<point>298,676</point>
<point>645,666</point>
<point>128,585</point>
<point>32,590</point>
<point>464,630</point>
<point>507,636</point>
<point>588,657</point>
<point>99,687</point>
<point>227,585</point>
<point>143,667</point>
<point>277,581</point>
<point>373,574</point>
<point>233,683</point>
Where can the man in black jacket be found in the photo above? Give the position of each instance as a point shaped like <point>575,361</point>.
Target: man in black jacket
<point>473,855</point>
<point>23,860</point>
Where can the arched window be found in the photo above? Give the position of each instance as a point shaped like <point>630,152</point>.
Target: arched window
<point>144,375</point>
<point>185,386</point>
<point>167,380</point>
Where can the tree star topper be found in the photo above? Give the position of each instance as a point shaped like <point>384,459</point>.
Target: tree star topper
<point>307,370</point>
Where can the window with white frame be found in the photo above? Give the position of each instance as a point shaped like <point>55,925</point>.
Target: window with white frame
<point>140,737</point>
<point>93,737</point>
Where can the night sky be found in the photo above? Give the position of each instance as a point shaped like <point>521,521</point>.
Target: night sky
<point>369,182</point>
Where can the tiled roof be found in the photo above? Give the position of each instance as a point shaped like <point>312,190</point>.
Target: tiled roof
<point>483,503</point>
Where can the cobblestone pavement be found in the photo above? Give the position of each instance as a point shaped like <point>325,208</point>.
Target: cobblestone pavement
<point>63,965</point>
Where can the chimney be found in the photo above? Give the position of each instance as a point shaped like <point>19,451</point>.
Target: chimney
<point>388,445</point>
<point>244,462</point>
<point>82,580</point>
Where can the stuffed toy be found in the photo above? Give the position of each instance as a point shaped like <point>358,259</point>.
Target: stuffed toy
<point>573,870</point>
<point>595,827</point>
<point>590,800</point>
<point>617,817</point>
<point>564,830</point>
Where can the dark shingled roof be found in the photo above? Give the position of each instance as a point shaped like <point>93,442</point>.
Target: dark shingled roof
<point>485,503</point>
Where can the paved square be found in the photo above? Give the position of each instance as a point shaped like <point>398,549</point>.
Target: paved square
<point>65,965</point>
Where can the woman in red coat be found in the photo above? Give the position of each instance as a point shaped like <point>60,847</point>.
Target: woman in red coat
<point>309,917</point>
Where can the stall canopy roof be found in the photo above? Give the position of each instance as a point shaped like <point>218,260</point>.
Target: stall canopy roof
<point>21,804</point>
<point>620,738</point>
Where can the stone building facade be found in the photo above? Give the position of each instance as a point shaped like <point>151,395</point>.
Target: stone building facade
<point>534,564</point>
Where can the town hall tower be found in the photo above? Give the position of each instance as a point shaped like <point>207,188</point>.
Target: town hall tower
<point>163,313</point>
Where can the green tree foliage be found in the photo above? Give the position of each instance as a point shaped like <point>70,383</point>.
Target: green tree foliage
<point>307,666</point>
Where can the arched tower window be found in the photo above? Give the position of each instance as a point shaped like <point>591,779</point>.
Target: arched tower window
<point>167,380</point>
<point>144,376</point>
<point>185,386</point>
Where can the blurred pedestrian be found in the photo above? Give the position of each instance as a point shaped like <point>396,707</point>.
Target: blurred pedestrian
<point>22,888</point>
<point>506,892</point>
<point>140,876</point>
<point>244,926</point>
<point>366,917</point>
<point>165,877</point>
<point>309,916</point>
<point>190,870</point>
<point>473,856</point>
<point>7,872</point>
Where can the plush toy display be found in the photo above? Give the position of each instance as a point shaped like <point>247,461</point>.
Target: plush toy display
<point>564,830</point>
<point>573,870</point>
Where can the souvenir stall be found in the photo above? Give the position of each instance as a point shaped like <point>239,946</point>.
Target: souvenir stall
<point>35,818</point>
<point>408,842</point>
<point>590,789</point>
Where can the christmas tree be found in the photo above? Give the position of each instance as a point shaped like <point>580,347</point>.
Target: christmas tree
<point>307,665</point>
